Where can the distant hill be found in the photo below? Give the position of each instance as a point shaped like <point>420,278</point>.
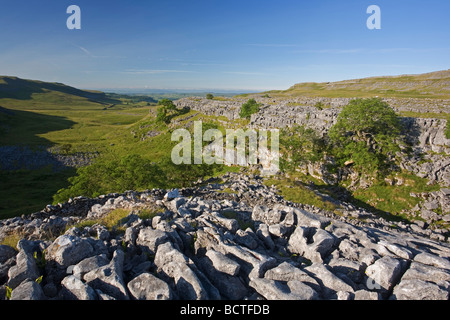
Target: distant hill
<point>427,85</point>
<point>48,92</point>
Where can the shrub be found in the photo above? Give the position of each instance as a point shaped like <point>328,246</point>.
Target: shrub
<point>209,96</point>
<point>300,145</point>
<point>319,105</point>
<point>168,110</point>
<point>249,108</point>
<point>131,172</point>
<point>367,132</point>
<point>183,175</point>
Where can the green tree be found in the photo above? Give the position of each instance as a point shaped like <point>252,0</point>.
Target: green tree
<point>168,110</point>
<point>249,108</point>
<point>366,133</point>
<point>183,175</point>
<point>209,96</point>
<point>300,145</point>
<point>131,172</point>
<point>165,111</point>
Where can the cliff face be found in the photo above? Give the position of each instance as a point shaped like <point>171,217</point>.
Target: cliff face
<point>426,135</point>
<point>317,113</point>
<point>233,240</point>
<point>428,157</point>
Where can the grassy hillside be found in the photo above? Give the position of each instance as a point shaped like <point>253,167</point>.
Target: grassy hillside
<point>40,115</point>
<point>36,93</point>
<point>53,116</point>
<point>427,85</point>
<point>68,121</point>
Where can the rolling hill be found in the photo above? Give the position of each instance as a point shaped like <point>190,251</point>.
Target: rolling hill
<point>20,93</point>
<point>428,85</point>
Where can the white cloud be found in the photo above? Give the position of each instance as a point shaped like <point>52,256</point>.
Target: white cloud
<point>85,51</point>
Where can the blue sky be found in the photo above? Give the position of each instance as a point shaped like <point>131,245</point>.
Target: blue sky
<point>220,44</point>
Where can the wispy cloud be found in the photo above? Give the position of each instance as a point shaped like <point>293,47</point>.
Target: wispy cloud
<point>92,55</point>
<point>367,50</point>
<point>86,51</point>
<point>298,48</point>
<point>154,71</point>
<point>244,73</point>
<point>331,51</point>
<point>273,45</point>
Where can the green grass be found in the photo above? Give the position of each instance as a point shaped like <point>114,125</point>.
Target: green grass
<point>28,191</point>
<point>53,119</point>
<point>447,128</point>
<point>389,202</point>
<point>395,199</point>
<point>296,191</point>
<point>434,85</point>
<point>243,225</point>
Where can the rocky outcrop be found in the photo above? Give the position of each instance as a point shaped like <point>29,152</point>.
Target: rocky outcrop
<point>23,157</point>
<point>205,243</point>
<point>318,113</point>
<point>431,149</point>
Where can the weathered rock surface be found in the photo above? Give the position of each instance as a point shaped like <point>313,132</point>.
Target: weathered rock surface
<point>109,278</point>
<point>196,247</point>
<point>148,287</point>
<point>429,158</point>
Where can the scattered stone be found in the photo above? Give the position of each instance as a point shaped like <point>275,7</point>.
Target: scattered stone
<point>193,250</point>
<point>148,287</point>
<point>172,194</point>
<point>109,278</point>
<point>89,264</point>
<point>327,279</point>
<point>287,272</point>
<point>222,263</point>
<point>277,290</point>
<point>25,269</point>
<point>149,239</point>
<point>416,289</point>
<point>28,290</point>
<point>229,285</point>
<point>6,253</point>
<point>173,264</point>
<point>385,272</point>
<point>68,250</point>
<point>432,260</point>
<point>75,289</point>
<point>366,295</point>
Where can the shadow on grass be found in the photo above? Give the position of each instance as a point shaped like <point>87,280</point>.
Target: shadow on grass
<point>21,89</point>
<point>29,174</point>
<point>342,194</point>
<point>28,191</point>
